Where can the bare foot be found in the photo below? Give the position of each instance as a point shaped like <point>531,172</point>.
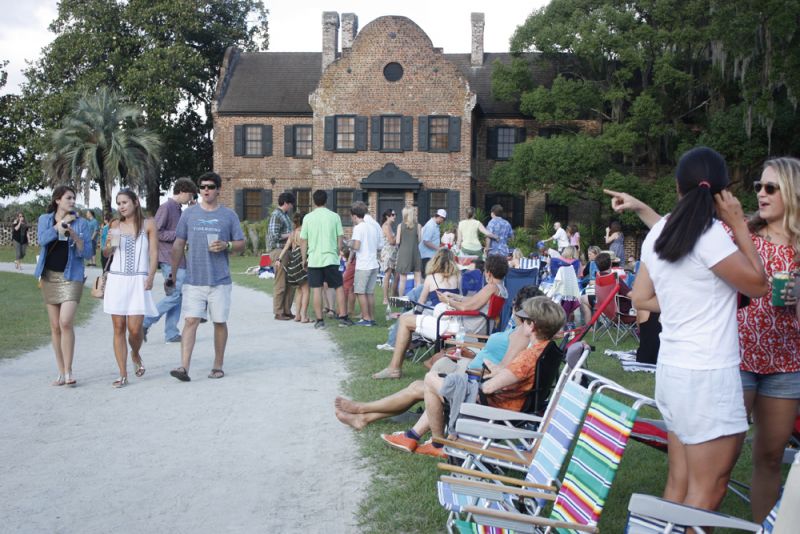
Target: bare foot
<point>347,405</point>
<point>355,421</point>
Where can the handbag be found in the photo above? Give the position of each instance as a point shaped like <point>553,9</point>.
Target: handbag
<point>99,287</point>
<point>295,274</point>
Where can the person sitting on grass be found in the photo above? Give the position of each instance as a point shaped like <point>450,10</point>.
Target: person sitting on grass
<point>496,269</point>
<point>500,349</point>
<point>506,387</point>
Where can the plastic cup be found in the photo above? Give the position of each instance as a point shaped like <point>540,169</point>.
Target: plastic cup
<point>114,236</point>
<point>211,239</point>
<point>779,281</point>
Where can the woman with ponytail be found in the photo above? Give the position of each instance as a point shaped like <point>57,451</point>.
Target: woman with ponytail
<point>690,273</point>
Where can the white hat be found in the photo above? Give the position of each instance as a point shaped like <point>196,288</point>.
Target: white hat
<point>441,213</point>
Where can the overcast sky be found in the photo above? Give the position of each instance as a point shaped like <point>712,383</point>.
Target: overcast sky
<point>294,25</point>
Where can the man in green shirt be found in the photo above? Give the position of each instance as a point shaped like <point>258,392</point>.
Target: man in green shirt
<point>320,243</point>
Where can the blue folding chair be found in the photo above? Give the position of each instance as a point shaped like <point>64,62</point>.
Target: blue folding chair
<point>515,280</point>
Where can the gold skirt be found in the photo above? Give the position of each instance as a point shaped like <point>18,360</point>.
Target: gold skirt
<point>56,290</point>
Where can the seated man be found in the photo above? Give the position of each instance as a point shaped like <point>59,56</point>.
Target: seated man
<point>506,386</point>
<point>500,349</point>
<point>496,269</point>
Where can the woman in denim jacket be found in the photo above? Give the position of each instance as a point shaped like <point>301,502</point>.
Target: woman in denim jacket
<point>64,241</point>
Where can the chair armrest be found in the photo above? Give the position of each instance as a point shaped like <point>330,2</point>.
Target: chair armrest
<point>510,519</point>
<point>496,414</point>
<point>462,313</point>
<point>517,460</point>
<point>491,476</point>
<point>460,482</point>
<point>493,430</point>
<point>657,508</point>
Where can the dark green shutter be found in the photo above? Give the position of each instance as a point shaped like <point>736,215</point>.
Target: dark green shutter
<point>361,133</point>
<point>238,140</point>
<point>519,211</point>
<point>407,134</point>
<point>422,134</point>
<point>423,206</point>
<point>454,135</point>
<point>522,135</point>
<point>238,200</point>
<point>266,140</point>
<point>375,133</point>
<point>330,133</point>
<point>331,203</point>
<point>266,202</point>
<point>453,205</point>
<point>288,141</point>
<point>359,195</point>
<point>491,143</point>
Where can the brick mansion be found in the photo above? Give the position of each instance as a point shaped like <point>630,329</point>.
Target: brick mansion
<point>388,118</point>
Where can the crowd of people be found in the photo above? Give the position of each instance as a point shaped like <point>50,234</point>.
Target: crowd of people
<point>728,351</point>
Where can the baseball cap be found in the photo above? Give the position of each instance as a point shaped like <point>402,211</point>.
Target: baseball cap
<point>441,213</point>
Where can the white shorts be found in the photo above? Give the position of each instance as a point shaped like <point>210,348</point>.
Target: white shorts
<point>700,405</point>
<point>216,300</point>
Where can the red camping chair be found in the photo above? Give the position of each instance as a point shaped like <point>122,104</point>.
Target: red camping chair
<point>575,335</point>
<point>492,317</point>
<point>605,285</point>
<point>265,262</point>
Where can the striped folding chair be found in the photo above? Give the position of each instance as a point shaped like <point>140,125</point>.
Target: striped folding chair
<point>589,475</point>
<point>549,454</point>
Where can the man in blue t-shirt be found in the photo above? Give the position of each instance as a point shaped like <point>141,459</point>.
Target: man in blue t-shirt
<point>211,231</point>
<point>431,238</point>
<point>502,231</point>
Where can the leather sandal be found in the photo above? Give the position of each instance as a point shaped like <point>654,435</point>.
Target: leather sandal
<point>139,372</point>
<point>69,380</point>
<point>388,374</point>
<point>120,382</point>
<point>59,381</point>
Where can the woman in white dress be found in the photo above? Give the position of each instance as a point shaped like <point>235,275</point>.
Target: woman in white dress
<point>130,278</point>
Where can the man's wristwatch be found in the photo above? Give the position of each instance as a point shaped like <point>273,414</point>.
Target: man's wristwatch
<point>230,246</point>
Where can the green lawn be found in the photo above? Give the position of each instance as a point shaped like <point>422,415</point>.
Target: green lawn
<point>402,495</point>
<point>25,325</point>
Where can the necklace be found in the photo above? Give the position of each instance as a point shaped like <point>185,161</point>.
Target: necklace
<point>769,237</point>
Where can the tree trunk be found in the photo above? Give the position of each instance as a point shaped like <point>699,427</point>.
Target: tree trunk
<point>153,198</point>
<point>104,200</point>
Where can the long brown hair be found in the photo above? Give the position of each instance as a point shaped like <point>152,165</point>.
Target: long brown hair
<point>138,216</point>
<point>58,192</point>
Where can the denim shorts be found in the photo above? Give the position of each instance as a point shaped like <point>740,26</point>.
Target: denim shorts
<point>777,385</point>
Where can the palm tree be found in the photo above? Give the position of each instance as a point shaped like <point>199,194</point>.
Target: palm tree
<point>103,141</point>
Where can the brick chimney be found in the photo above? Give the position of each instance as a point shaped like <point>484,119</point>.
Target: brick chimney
<point>349,29</point>
<point>477,39</point>
<point>330,37</point>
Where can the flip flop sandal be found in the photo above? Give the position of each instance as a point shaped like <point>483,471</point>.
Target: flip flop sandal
<point>388,374</point>
<point>216,373</point>
<point>181,374</point>
<point>139,368</point>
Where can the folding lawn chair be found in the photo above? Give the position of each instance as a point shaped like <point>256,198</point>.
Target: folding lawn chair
<point>653,515</point>
<point>515,280</point>
<point>577,334</point>
<point>625,323</point>
<point>589,475</point>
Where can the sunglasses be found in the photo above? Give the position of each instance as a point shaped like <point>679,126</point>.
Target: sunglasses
<point>208,186</point>
<point>526,320</point>
<point>770,188</point>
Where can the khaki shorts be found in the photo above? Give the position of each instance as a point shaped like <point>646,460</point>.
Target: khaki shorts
<point>212,300</point>
<point>364,282</point>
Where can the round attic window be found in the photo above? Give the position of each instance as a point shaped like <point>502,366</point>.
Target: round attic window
<point>393,72</point>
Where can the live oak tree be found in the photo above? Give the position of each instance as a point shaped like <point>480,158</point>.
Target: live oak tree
<point>164,55</point>
<point>662,76</point>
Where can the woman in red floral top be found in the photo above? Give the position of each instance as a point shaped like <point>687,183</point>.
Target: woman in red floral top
<point>770,335</point>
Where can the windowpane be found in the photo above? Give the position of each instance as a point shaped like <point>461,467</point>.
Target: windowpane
<point>505,142</point>
<point>345,133</point>
<point>438,200</point>
<point>303,200</point>
<point>437,132</point>
<point>390,127</point>
<point>344,200</point>
<point>252,205</point>
<point>252,140</point>
<point>302,141</point>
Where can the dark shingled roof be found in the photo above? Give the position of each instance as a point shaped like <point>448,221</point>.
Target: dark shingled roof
<point>280,82</point>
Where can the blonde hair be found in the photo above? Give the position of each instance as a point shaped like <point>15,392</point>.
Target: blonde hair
<point>516,255</point>
<point>548,316</point>
<point>788,171</point>
<point>408,217</point>
<point>443,262</point>
<point>569,253</point>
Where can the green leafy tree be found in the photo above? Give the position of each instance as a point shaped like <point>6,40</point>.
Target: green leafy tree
<point>12,154</point>
<point>103,142</point>
<point>165,55</point>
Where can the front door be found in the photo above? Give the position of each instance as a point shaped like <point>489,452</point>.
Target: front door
<point>391,200</point>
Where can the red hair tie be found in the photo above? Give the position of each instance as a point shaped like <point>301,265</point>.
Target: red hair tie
<point>705,184</point>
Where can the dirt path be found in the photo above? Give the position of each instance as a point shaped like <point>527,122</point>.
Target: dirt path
<point>257,451</point>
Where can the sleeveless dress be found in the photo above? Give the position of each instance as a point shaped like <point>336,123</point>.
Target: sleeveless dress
<point>408,259</point>
<point>125,293</point>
